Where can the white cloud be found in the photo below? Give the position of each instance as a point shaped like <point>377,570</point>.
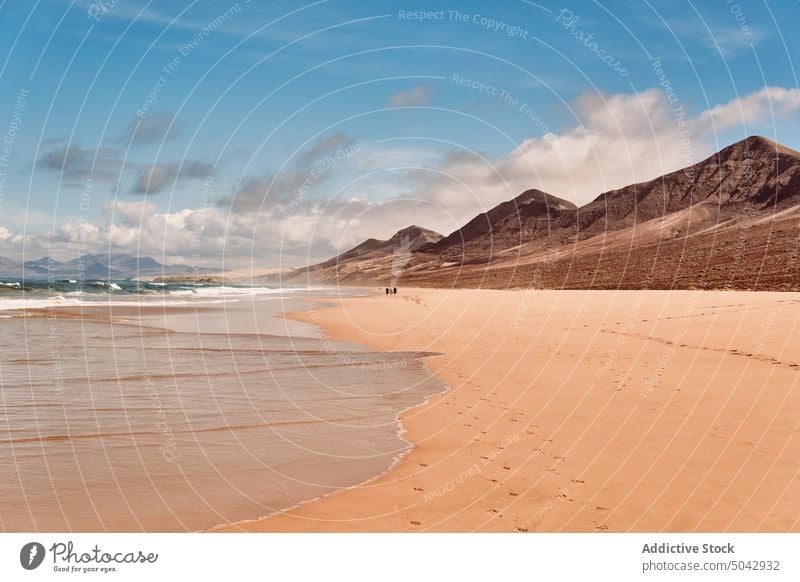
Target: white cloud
<point>764,105</point>
<point>729,36</point>
<point>414,97</point>
<point>615,140</point>
<point>130,211</point>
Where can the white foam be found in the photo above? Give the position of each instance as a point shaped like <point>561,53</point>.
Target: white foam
<point>228,291</point>
<point>206,295</point>
<point>56,301</point>
<point>61,301</point>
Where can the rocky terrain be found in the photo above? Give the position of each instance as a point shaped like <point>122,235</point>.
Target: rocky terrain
<point>373,261</point>
<point>730,221</point>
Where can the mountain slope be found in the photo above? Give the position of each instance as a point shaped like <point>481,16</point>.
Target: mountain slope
<point>755,171</point>
<point>731,220</point>
<point>411,238</point>
<point>532,214</point>
<point>371,261</point>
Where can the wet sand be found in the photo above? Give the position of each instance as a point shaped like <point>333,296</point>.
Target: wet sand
<point>582,411</point>
<point>162,417</point>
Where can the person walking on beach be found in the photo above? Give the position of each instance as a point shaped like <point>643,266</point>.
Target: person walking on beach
<point>394,290</point>
<point>387,290</point>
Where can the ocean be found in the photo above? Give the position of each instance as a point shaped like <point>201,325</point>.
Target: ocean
<point>140,407</point>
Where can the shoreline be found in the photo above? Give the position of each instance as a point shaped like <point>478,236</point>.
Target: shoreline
<point>242,525</point>
<point>280,421</point>
<point>155,317</point>
<point>535,464</point>
<point>302,316</point>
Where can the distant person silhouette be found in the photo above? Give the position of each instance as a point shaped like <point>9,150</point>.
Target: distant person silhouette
<point>387,290</point>
<point>394,290</point>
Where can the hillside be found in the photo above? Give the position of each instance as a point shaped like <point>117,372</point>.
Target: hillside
<point>373,261</point>
<point>729,221</point>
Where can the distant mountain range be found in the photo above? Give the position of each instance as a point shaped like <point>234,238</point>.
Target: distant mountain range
<point>92,266</point>
<point>730,221</point>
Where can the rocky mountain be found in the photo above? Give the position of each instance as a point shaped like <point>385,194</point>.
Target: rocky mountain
<point>755,172</point>
<point>750,176</point>
<point>729,221</point>
<point>531,215</point>
<point>371,261</point>
<point>91,266</point>
<point>411,238</point>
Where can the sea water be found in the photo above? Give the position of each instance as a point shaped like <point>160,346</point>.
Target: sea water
<point>183,413</point>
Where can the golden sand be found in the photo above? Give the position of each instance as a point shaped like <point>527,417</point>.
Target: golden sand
<point>582,411</point>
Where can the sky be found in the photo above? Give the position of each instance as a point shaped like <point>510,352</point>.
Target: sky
<point>273,134</point>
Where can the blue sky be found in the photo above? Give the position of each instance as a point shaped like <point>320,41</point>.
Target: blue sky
<point>270,133</point>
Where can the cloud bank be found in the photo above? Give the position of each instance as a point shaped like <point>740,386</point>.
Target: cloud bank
<point>613,141</point>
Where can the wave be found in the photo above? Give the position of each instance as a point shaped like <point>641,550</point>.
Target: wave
<point>75,301</point>
<point>41,294</point>
<point>57,301</point>
<point>223,290</point>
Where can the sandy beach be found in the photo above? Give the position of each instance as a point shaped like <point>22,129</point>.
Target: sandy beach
<point>164,414</point>
<point>581,411</point>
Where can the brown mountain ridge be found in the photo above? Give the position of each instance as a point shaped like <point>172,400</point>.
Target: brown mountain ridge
<point>729,221</point>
